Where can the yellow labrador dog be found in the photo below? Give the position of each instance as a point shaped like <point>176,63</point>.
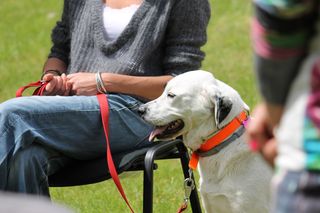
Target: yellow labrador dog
<point>210,116</point>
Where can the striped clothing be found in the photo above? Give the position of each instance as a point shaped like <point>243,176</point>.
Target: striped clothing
<point>281,30</point>
<point>289,74</point>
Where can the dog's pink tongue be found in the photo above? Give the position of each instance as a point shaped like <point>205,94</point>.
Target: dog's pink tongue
<point>155,132</point>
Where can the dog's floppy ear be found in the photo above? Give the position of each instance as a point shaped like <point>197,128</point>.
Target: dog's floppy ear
<point>223,106</point>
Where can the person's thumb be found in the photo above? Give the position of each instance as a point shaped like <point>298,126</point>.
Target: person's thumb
<point>47,77</point>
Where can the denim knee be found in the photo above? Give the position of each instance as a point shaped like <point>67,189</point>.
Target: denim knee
<point>29,168</point>
<point>9,111</point>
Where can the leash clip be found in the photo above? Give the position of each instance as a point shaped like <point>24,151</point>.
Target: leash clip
<point>188,187</point>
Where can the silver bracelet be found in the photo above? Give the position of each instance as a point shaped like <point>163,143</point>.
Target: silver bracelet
<point>100,86</point>
<point>99,89</point>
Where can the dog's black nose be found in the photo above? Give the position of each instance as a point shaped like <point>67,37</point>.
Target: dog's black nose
<point>142,110</point>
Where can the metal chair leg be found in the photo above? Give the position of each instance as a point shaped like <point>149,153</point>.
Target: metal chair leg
<point>153,154</point>
<point>147,190</point>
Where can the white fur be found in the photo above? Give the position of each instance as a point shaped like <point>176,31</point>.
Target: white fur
<point>233,181</point>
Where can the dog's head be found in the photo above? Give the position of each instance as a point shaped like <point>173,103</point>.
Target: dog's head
<point>192,104</point>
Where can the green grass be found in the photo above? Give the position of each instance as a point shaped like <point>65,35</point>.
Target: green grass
<point>25,29</point>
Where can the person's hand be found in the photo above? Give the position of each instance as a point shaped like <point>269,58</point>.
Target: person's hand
<point>82,83</point>
<point>260,133</point>
<point>57,84</point>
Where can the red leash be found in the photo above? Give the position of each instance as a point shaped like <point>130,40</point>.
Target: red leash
<point>104,110</point>
<point>40,87</point>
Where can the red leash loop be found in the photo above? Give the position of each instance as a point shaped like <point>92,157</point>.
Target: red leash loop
<point>41,86</point>
<point>104,108</point>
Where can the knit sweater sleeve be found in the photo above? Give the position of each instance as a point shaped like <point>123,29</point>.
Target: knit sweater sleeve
<point>185,35</point>
<point>60,36</point>
<point>281,32</point>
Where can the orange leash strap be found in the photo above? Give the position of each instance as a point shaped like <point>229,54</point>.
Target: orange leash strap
<point>104,109</point>
<point>193,162</point>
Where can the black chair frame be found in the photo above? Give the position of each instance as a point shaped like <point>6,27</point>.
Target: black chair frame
<point>138,160</point>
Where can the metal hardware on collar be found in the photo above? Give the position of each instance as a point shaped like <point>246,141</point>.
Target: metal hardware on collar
<point>190,173</point>
<point>188,187</point>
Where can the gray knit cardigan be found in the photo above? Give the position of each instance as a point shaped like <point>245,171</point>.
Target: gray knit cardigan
<point>163,37</point>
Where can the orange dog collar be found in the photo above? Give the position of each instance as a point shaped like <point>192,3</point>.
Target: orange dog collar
<point>218,138</point>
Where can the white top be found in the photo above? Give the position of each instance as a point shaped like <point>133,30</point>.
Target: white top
<point>115,20</point>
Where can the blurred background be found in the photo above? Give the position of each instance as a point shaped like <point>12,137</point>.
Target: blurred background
<point>25,28</point>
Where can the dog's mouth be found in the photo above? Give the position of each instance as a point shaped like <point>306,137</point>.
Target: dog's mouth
<point>166,131</point>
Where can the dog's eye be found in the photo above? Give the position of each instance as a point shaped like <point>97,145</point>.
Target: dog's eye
<point>171,95</point>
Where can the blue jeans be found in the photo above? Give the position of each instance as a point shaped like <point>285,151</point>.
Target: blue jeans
<point>296,192</point>
<point>39,135</point>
